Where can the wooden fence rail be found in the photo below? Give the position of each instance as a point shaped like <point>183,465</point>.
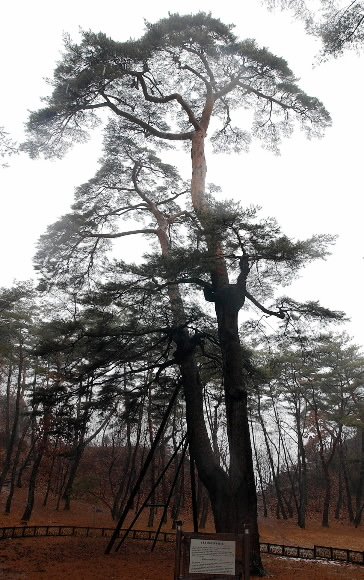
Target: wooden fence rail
<point>317,552</point>
<point>89,531</point>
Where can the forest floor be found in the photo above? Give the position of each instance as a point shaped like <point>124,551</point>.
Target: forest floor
<point>75,558</point>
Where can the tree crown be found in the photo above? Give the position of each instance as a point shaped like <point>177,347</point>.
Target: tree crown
<point>168,84</point>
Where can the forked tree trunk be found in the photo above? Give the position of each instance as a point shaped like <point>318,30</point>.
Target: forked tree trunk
<point>233,494</point>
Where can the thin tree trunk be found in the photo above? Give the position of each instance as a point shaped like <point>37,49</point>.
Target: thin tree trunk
<point>302,469</point>
<point>49,482</point>
<point>32,485</point>
<point>75,461</point>
<point>14,429</point>
<point>359,504</point>
<point>288,464</point>
<point>325,464</point>
<point>152,468</point>
<point>129,467</point>
<point>8,407</point>
<point>62,480</point>
<point>340,494</point>
<point>15,467</point>
<point>280,505</point>
<point>258,468</point>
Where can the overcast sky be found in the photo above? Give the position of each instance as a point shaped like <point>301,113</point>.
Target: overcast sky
<point>313,187</point>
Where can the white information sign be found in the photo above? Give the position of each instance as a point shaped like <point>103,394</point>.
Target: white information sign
<point>212,557</point>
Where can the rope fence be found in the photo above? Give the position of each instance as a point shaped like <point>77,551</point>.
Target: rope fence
<point>317,552</point>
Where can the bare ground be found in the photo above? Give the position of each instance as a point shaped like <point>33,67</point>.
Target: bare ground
<point>84,558</point>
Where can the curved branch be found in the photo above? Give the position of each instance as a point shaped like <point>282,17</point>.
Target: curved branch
<point>171,219</point>
<point>226,89</point>
<point>269,98</point>
<point>170,199</point>
<point>148,128</point>
<point>121,234</point>
<point>173,97</point>
<point>279,314</point>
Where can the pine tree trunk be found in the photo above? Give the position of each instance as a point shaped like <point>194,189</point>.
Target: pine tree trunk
<point>15,467</point>
<point>50,476</point>
<point>280,506</point>
<point>257,463</point>
<point>42,445</point>
<point>152,469</point>
<point>339,496</point>
<point>32,484</point>
<point>302,472</point>
<point>359,504</point>
<point>75,461</point>
<point>233,494</point>
<point>327,497</point>
<point>12,432</point>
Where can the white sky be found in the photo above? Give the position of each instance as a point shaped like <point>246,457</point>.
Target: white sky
<point>313,187</point>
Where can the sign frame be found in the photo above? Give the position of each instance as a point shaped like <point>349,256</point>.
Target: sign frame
<point>191,563</point>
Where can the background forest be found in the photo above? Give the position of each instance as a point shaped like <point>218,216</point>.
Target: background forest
<point>71,428</point>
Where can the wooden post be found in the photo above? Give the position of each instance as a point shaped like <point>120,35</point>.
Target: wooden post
<point>177,563</point>
<point>246,553</point>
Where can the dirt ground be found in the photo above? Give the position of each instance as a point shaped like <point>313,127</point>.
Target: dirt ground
<point>77,558</point>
